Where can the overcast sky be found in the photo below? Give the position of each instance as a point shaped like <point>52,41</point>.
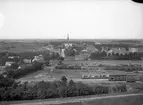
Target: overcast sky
<point>53,19</point>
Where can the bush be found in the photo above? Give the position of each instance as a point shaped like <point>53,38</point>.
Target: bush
<point>119,88</point>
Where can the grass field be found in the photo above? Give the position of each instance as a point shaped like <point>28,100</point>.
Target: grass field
<point>111,99</point>
<point>109,62</point>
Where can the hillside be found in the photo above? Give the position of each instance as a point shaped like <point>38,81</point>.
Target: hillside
<point>120,99</point>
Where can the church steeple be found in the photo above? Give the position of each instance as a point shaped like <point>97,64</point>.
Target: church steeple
<point>67,36</point>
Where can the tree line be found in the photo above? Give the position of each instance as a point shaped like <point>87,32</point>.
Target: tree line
<point>12,90</point>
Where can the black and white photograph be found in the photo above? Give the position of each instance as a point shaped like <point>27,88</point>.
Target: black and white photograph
<point>71,52</point>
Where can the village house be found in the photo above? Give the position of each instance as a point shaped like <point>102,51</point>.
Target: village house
<point>133,50</point>
<point>27,60</point>
<point>84,55</point>
<point>91,49</point>
<point>119,51</point>
<point>38,58</point>
<point>11,57</point>
<point>104,49</point>
<point>62,53</point>
<point>97,43</point>
<point>9,63</point>
<point>140,50</point>
<point>67,45</point>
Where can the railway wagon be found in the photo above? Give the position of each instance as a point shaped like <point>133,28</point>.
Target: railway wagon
<point>130,78</point>
<point>127,78</point>
<point>117,78</point>
<point>90,76</point>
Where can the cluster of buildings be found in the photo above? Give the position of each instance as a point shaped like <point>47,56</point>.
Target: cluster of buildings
<point>84,54</point>
<point>38,58</point>
<point>120,51</point>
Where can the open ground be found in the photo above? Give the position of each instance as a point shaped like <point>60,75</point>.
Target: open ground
<point>48,75</point>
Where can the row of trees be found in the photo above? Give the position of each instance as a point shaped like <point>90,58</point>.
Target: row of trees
<point>117,56</point>
<point>63,66</point>
<point>127,68</point>
<point>11,90</point>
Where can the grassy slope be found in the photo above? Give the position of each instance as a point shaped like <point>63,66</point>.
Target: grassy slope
<point>130,100</point>
<point>113,99</point>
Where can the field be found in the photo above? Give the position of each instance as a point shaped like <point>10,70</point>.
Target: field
<point>109,62</point>
<point>46,74</point>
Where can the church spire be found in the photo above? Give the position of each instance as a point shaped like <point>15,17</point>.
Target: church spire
<point>67,36</point>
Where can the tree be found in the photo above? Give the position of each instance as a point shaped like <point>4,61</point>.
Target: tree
<point>14,66</point>
<point>71,83</point>
<point>64,79</point>
<point>6,81</point>
<point>60,60</point>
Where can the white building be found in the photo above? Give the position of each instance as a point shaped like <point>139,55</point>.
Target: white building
<point>39,58</point>
<point>9,63</point>
<point>27,60</point>
<point>133,50</point>
<point>67,45</point>
<point>62,53</point>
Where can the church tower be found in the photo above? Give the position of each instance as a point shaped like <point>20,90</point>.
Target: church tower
<point>67,36</point>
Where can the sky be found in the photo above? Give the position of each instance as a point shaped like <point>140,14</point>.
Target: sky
<point>81,19</point>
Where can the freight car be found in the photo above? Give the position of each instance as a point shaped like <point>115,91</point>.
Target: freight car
<point>97,76</point>
<point>130,78</point>
<point>117,78</point>
<point>127,78</point>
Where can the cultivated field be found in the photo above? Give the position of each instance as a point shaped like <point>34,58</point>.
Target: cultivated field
<point>109,62</point>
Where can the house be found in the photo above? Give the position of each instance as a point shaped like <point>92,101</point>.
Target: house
<point>123,51</point>
<point>11,57</point>
<point>82,56</point>
<point>67,45</point>
<point>91,48</point>
<point>104,49</point>
<point>133,50</point>
<point>27,60</point>
<point>62,53</point>
<point>38,58</point>
<point>97,43</point>
<point>119,51</point>
<point>140,50</point>
<point>9,63</point>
